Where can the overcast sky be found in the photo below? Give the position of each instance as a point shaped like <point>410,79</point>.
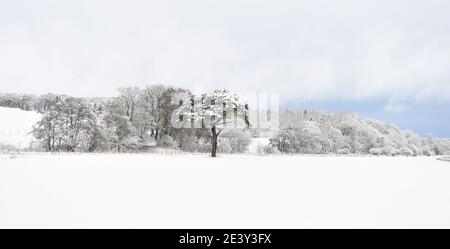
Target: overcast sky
<point>355,50</point>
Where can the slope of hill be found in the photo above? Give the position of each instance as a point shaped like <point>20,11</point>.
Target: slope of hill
<point>15,127</point>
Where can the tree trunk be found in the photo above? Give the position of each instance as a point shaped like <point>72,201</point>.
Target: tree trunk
<point>214,142</point>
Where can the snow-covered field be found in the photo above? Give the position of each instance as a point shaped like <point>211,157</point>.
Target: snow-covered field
<point>15,126</point>
<point>153,191</point>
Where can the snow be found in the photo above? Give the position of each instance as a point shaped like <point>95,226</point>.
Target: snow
<point>15,126</point>
<point>257,144</point>
<point>194,191</point>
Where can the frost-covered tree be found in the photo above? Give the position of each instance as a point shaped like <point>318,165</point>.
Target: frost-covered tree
<point>120,133</point>
<point>284,141</point>
<point>215,111</point>
<point>118,129</point>
<point>167,106</point>
<point>309,139</point>
<point>150,112</point>
<point>129,96</point>
<point>66,125</point>
<point>137,118</point>
<point>345,133</point>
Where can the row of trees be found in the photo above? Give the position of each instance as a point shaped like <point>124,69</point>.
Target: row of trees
<point>27,102</point>
<point>345,133</point>
<point>138,119</point>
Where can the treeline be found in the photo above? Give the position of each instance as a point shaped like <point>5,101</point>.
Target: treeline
<point>309,132</point>
<point>138,119</point>
<point>27,102</point>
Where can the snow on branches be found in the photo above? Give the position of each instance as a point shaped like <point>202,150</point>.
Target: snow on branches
<point>216,111</point>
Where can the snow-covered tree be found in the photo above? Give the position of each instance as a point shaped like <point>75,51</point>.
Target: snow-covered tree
<point>150,112</point>
<point>129,96</point>
<point>138,118</point>
<point>215,111</point>
<point>344,133</point>
<point>284,141</point>
<point>66,125</point>
<point>120,133</point>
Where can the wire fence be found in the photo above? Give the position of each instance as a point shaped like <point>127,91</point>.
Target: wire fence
<point>15,151</point>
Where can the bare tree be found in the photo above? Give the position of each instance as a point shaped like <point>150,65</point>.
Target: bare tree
<point>129,96</point>
<point>150,103</point>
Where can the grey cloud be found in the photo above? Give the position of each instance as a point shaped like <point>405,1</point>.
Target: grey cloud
<point>301,49</point>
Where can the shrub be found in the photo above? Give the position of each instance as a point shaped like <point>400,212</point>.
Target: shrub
<point>270,150</point>
<point>344,151</point>
<point>167,142</point>
<point>224,146</point>
<point>376,151</point>
<point>238,140</point>
<point>406,152</point>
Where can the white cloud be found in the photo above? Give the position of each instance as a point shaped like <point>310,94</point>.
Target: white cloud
<point>311,50</point>
<point>394,107</point>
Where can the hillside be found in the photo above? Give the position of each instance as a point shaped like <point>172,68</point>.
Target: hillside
<point>15,126</point>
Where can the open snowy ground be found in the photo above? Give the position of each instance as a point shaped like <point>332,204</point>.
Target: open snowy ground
<point>16,125</point>
<point>156,191</point>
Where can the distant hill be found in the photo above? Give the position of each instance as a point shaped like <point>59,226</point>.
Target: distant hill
<point>15,126</point>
